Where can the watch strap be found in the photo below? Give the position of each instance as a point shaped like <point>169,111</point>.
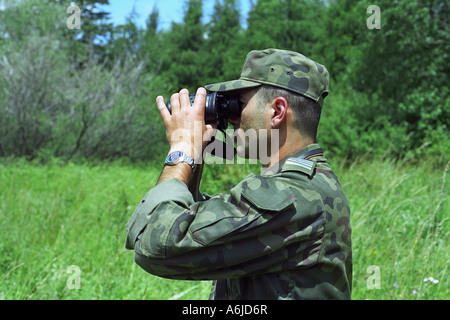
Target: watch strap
<point>182,157</point>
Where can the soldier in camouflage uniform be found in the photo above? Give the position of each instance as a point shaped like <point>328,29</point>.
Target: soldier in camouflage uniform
<point>282,234</point>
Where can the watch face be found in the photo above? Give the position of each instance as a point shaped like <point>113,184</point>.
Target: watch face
<point>174,156</point>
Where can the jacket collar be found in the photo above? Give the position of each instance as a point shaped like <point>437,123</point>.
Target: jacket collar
<point>303,160</point>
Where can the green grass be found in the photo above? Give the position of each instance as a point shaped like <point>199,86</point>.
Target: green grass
<point>400,220</point>
<point>57,215</point>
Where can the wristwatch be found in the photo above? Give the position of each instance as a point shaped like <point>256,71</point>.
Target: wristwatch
<point>176,157</point>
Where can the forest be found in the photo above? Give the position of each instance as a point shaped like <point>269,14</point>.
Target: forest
<point>89,93</point>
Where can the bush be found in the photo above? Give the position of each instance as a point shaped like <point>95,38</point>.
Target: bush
<point>53,108</point>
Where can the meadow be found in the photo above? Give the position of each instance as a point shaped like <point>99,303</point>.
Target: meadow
<point>64,222</point>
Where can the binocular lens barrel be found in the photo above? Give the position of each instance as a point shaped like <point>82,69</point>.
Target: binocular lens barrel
<point>218,109</point>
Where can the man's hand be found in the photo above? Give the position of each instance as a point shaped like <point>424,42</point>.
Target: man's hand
<point>186,131</point>
<point>185,127</point>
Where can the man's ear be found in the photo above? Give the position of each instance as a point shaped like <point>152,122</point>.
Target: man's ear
<point>279,112</point>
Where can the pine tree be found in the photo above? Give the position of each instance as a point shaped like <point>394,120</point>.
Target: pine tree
<point>182,49</point>
<point>224,53</point>
<point>285,24</point>
<point>266,25</point>
<point>150,48</point>
<point>126,38</point>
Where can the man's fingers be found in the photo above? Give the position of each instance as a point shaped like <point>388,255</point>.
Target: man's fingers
<point>163,111</point>
<point>175,103</point>
<point>184,99</point>
<point>180,101</point>
<point>200,100</point>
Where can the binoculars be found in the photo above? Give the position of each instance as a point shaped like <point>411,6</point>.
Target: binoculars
<point>219,108</point>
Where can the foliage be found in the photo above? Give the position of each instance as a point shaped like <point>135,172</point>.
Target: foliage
<point>65,214</point>
<point>90,92</point>
<point>50,109</point>
<point>408,66</point>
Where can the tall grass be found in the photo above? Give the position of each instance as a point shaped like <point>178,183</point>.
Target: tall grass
<point>400,220</point>
<point>57,215</point>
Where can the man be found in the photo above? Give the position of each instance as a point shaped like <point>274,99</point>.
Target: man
<point>283,234</point>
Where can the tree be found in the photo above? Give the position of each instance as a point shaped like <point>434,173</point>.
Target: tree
<point>150,48</point>
<point>182,50</point>
<point>223,48</point>
<point>125,39</point>
<point>58,104</point>
<point>95,28</point>
<point>405,65</point>
<point>285,24</point>
<point>340,31</point>
<point>266,25</point>
<point>19,19</point>
<point>303,23</point>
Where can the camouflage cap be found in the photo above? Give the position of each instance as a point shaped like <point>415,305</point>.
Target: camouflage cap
<point>280,68</point>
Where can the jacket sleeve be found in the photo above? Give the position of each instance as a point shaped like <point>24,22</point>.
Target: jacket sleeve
<point>247,231</point>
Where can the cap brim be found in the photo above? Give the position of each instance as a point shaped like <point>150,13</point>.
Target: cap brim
<point>231,85</point>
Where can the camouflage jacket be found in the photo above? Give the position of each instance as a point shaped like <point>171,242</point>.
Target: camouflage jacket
<point>283,234</point>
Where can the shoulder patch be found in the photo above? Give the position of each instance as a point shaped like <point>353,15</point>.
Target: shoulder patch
<point>297,164</point>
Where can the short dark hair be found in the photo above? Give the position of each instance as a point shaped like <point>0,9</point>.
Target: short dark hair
<point>306,111</point>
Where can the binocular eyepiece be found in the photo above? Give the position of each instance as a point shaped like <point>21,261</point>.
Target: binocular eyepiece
<point>219,108</point>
